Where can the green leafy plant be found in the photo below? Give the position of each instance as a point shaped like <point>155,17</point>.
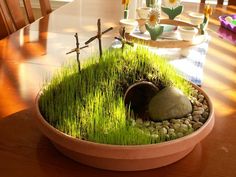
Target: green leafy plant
<point>155,31</point>
<point>172,12</point>
<point>90,105</point>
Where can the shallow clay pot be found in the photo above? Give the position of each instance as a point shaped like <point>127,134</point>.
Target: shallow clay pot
<point>125,158</point>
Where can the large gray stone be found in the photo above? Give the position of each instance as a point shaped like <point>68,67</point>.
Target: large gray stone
<point>169,103</point>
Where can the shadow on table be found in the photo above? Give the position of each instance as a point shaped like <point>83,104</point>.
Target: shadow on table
<point>26,152</point>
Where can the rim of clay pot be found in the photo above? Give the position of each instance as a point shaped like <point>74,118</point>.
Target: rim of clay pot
<point>140,87</point>
<point>52,133</point>
<point>141,83</point>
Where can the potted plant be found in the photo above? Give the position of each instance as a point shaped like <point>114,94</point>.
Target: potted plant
<point>172,8</point>
<point>86,117</point>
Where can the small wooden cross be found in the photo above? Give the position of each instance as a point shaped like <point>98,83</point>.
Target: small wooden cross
<point>99,36</point>
<point>123,40</point>
<point>77,50</point>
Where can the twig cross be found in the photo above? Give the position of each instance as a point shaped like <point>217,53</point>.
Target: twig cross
<point>99,36</point>
<point>77,50</point>
<point>123,40</point>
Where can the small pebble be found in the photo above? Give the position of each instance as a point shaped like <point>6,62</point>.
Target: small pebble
<point>172,134</point>
<point>176,126</point>
<point>197,117</point>
<point>186,121</point>
<point>183,128</point>
<point>190,118</point>
<point>166,126</point>
<point>190,126</point>
<point>155,136</point>
<point>151,129</point>
<point>197,112</point>
<point>198,103</point>
<point>146,123</point>
<point>139,121</point>
<point>158,123</point>
<point>180,134</point>
<point>163,131</point>
<point>205,114</point>
<point>200,96</point>
<point>194,99</point>
<point>200,100</point>
<point>199,109</point>
<point>203,120</point>
<point>165,122</point>
<point>133,123</point>
<point>171,130</point>
<point>205,107</point>
<point>197,125</point>
<point>158,127</point>
<point>156,132</point>
<point>167,137</point>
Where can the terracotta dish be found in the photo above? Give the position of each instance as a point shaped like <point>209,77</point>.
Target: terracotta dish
<point>124,158</point>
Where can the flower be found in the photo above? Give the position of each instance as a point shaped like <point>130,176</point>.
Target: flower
<point>126,7</point>
<point>154,17</point>
<point>171,3</point>
<point>125,2</point>
<point>208,10</point>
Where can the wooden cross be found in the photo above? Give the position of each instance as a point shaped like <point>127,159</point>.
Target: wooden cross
<point>99,36</point>
<point>123,40</point>
<point>77,50</point>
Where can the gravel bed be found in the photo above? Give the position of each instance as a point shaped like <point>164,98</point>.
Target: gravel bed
<point>176,128</point>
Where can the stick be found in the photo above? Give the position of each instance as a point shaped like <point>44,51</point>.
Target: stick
<point>99,37</point>
<point>91,39</point>
<point>77,51</point>
<point>109,29</point>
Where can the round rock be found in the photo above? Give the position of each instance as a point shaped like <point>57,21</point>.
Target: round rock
<point>169,103</point>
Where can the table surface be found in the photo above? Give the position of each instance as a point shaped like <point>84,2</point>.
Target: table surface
<point>30,55</point>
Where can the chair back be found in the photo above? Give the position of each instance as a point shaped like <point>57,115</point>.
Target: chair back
<point>29,11</point>
<point>45,7</point>
<point>16,13</point>
<point>230,2</point>
<point>6,25</point>
<point>12,17</point>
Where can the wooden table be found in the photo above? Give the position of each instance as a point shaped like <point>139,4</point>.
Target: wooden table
<point>30,55</point>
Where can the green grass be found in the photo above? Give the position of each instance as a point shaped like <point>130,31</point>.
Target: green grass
<point>90,105</point>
